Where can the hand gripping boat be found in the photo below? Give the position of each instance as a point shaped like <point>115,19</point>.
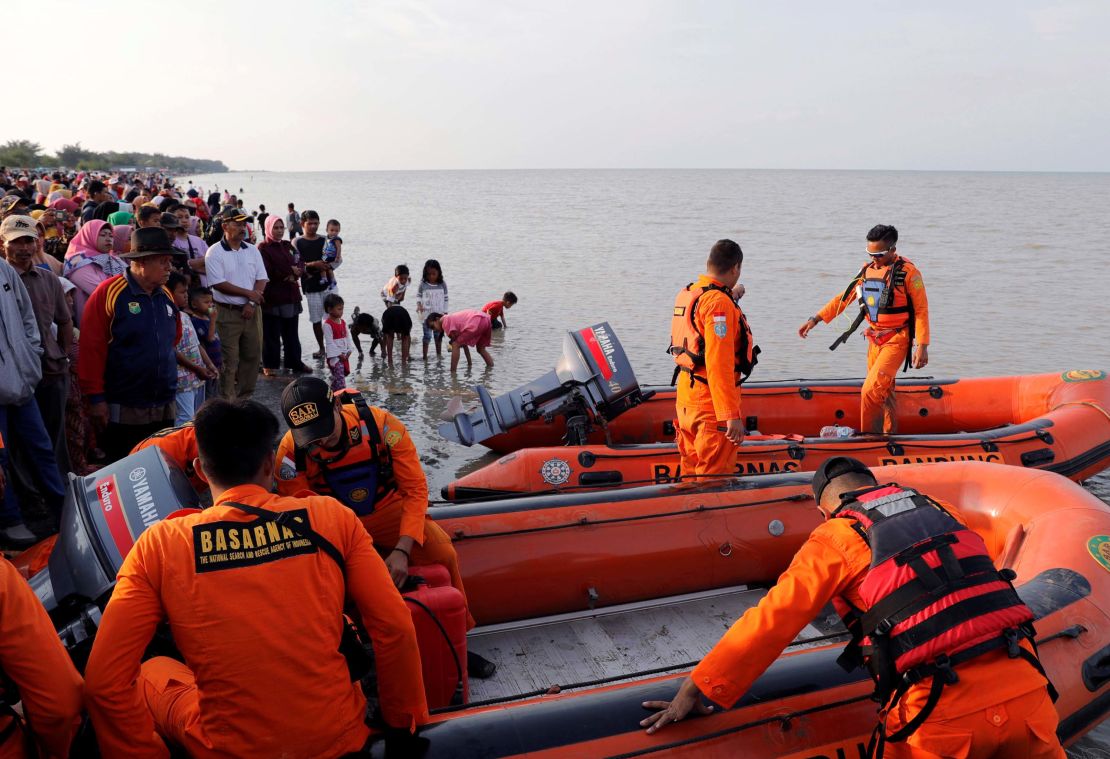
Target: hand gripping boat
<point>1059,422</point>
<point>591,603</point>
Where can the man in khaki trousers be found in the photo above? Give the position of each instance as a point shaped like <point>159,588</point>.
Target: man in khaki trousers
<point>237,277</point>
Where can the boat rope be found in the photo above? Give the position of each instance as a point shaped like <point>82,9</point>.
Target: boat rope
<point>553,689</point>
<point>587,522</point>
<point>1092,404</point>
<point>784,719</point>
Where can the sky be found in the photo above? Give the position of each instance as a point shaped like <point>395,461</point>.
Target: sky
<point>1003,85</point>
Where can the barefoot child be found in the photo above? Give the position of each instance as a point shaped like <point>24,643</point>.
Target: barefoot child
<point>194,368</point>
<point>336,345</point>
<point>364,324</point>
<point>396,323</point>
<point>394,291</point>
<point>333,252</point>
<point>465,329</point>
<point>496,309</point>
<point>431,298</point>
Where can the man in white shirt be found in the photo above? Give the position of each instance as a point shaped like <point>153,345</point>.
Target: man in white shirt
<point>237,277</point>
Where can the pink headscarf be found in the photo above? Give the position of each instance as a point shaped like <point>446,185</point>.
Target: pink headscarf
<point>84,242</point>
<point>64,204</point>
<point>272,220</point>
<point>121,238</point>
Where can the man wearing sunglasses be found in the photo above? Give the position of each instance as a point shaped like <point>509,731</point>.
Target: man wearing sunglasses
<point>892,300</point>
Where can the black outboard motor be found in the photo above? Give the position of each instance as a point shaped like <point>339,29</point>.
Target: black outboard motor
<point>593,381</point>
<point>104,515</point>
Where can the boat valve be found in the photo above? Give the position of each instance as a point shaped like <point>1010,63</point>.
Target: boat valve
<point>726,549</point>
<point>592,596</point>
<point>776,527</point>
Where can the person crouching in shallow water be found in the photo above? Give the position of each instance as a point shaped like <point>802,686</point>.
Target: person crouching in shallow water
<point>259,631</point>
<point>944,690</point>
<point>465,329</point>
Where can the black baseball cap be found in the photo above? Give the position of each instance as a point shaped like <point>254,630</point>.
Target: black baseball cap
<point>306,405</point>
<point>836,467</point>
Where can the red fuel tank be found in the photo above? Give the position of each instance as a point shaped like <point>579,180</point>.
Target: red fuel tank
<point>439,616</point>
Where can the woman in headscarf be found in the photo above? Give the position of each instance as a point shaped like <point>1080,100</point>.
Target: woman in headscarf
<point>281,301</point>
<point>105,209</point>
<point>121,218</point>
<point>121,239</point>
<point>90,261</point>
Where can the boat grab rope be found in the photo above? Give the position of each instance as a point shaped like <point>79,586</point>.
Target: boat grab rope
<point>586,522</point>
<point>554,689</point>
<point>1092,404</point>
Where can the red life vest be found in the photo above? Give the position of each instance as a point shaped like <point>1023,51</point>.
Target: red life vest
<point>688,344</point>
<point>933,598</point>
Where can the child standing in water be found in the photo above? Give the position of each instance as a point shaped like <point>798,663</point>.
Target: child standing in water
<point>337,347</point>
<point>394,291</point>
<point>333,252</point>
<point>431,297</point>
<point>497,308</point>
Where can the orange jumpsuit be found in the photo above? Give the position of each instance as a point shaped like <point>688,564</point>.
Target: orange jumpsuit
<point>180,446</point>
<point>255,610</point>
<point>999,708</point>
<point>33,657</point>
<point>703,406</point>
<point>402,512</point>
<point>888,344</point>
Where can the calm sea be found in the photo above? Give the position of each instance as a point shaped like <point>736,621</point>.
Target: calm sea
<point>1017,267</point>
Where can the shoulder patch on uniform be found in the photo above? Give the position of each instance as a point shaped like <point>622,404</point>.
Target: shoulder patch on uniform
<point>287,470</point>
<point>393,437</point>
<point>916,282</point>
<point>232,545</point>
<point>720,324</point>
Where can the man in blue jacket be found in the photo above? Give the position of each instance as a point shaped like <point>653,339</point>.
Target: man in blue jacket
<point>127,366</point>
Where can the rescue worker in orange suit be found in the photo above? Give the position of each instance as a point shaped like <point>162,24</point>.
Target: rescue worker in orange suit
<point>41,674</point>
<point>892,301</point>
<point>180,446</point>
<point>978,689</point>
<point>338,445</point>
<point>713,352</point>
<point>255,605</point>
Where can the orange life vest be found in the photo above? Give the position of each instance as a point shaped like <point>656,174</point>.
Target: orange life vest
<point>688,344</point>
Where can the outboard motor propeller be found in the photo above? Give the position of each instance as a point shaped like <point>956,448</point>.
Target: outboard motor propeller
<point>104,514</point>
<point>592,382</point>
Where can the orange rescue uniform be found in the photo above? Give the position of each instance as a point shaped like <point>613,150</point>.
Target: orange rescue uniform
<point>33,658</point>
<point>1000,706</point>
<point>402,512</point>
<point>180,446</point>
<point>255,610</point>
<point>702,406</point>
<point>888,342</point>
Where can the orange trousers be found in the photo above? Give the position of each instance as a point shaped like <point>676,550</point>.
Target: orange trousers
<point>877,401</point>
<point>704,450</point>
<point>1021,728</point>
<point>170,691</point>
<point>384,526</point>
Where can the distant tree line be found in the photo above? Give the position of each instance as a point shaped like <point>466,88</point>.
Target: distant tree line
<point>24,153</point>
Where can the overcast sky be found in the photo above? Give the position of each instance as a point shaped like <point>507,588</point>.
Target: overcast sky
<point>409,84</point>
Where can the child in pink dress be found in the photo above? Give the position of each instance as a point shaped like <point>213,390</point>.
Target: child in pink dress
<point>337,345</point>
<point>465,329</point>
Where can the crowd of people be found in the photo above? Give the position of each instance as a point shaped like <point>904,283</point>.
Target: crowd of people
<point>135,299</point>
<point>135,315</point>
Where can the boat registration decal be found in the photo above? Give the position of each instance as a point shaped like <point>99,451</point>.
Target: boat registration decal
<point>1099,546</point>
<point>555,471</point>
<point>1083,375</point>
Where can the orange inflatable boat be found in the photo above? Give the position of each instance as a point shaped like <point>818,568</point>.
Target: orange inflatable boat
<point>1058,422</point>
<point>591,603</point>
